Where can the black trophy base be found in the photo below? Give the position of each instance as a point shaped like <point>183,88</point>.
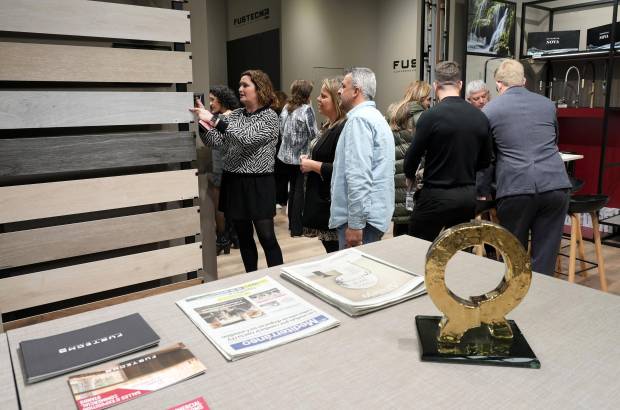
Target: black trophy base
<point>476,347</point>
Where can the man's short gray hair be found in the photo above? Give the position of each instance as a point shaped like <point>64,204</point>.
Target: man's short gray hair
<point>364,79</point>
<point>474,87</point>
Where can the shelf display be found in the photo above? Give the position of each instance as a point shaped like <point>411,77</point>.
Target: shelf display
<point>552,42</point>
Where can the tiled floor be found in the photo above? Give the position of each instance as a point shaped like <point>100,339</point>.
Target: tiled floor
<point>294,249</point>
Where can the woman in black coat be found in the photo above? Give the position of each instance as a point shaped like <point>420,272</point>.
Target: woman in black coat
<point>318,168</point>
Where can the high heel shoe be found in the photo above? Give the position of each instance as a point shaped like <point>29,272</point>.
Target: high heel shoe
<point>222,244</point>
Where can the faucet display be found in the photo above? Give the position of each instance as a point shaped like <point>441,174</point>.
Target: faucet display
<point>592,84</point>
<point>576,101</point>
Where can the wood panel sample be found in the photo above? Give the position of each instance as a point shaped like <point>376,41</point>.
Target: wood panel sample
<point>45,109</point>
<point>95,19</point>
<point>35,289</point>
<point>74,310</point>
<point>64,241</point>
<point>50,62</point>
<point>35,156</point>
<point>34,201</point>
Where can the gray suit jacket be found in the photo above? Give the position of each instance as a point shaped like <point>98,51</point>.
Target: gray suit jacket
<point>524,129</point>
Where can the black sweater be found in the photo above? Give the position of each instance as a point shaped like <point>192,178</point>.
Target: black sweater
<point>455,137</point>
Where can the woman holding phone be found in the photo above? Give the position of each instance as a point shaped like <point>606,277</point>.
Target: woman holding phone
<point>248,138</point>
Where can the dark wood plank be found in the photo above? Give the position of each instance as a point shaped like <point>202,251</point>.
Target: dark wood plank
<point>100,304</point>
<point>34,156</point>
<point>42,245</point>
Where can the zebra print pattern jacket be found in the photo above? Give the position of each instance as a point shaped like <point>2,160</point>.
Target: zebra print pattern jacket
<point>247,141</point>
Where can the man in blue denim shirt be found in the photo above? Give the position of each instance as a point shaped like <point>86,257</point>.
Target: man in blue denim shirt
<point>363,173</point>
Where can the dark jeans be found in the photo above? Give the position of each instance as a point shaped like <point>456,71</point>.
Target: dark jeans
<point>281,182</point>
<point>330,246</point>
<point>400,229</point>
<point>267,238</point>
<point>295,199</point>
<point>543,214</point>
<point>438,208</point>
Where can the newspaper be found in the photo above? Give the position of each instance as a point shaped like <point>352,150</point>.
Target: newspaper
<point>254,316</point>
<point>134,378</point>
<point>355,282</point>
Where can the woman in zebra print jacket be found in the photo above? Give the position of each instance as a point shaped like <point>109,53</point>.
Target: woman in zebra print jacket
<point>247,139</point>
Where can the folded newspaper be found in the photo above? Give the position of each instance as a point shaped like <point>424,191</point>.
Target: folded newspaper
<point>355,282</point>
<point>254,316</point>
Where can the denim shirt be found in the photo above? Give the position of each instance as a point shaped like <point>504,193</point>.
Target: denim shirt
<point>363,173</point>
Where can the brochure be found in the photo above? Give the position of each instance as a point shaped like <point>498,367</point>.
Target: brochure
<point>134,378</point>
<point>254,316</point>
<point>355,282</point>
<point>53,355</point>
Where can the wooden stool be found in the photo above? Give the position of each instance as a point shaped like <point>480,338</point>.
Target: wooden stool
<point>485,209</point>
<point>582,204</point>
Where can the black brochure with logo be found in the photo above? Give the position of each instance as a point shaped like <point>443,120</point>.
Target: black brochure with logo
<point>53,355</point>
<point>599,38</point>
<point>552,42</point>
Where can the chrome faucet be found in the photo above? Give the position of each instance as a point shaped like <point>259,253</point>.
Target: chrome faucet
<point>575,102</point>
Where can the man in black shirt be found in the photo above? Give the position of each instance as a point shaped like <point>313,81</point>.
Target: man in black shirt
<point>454,138</point>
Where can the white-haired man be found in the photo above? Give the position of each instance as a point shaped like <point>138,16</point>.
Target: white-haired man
<point>362,185</point>
<point>477,93</point>
<point>532,184</point>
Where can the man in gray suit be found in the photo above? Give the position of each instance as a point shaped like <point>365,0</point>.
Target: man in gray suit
<point>532,184</point>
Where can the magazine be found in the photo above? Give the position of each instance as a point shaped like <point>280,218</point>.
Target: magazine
<point>254,316</point>
<point>50,356</point>
<point>355,282</point>
<point>134,378</point>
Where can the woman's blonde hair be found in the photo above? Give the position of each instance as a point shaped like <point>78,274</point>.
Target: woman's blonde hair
<point>332,85</point>
<point>399,114</point>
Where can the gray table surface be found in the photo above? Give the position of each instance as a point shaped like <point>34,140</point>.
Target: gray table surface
<point>372,362</point>
<point>8,394</point>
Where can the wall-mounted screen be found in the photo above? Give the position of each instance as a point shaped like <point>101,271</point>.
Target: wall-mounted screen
<point>491,27</point>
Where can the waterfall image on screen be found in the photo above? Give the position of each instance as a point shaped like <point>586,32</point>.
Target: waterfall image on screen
<point>490,27</point>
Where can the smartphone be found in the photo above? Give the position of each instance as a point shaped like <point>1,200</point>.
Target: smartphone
<point>199,97</point>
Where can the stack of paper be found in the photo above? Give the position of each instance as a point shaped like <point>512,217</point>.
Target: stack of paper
<point>53,355</point>
<point>355,282</point>
<point>254,316</point>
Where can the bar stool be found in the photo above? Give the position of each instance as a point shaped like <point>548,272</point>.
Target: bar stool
<point>585,204</point>
<point>485,209</point>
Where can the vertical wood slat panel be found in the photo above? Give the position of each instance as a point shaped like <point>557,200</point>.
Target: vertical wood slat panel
<point>49,62</point>
<point>46,155</point>
<point>65,241</point>
<point>45,109</point>
<point>35,289</point>
<point>25,202</point>
<point>94,19</point>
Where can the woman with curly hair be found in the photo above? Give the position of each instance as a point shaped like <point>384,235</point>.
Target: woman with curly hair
<point>248,137</point>
<point>222,100</point>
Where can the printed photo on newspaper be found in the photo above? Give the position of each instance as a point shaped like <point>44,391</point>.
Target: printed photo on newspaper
<point>254,316</point>
<point>134,378</point>
<point>355,282</point>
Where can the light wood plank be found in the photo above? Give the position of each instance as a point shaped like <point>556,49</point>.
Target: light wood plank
<point>57,314</point>
<point>49,62</point>
<point>45,109</point>
<point>35,289</point>
<point>64,241</point>
<point>94,19</point>
<point>34,201</point>
<point>35,156</point>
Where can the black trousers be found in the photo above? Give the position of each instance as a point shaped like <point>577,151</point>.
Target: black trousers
<point>438,208</point>
<point>543,214</point>
<point>295,199</point>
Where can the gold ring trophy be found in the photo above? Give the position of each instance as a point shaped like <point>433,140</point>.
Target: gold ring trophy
<point>475,330</point>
